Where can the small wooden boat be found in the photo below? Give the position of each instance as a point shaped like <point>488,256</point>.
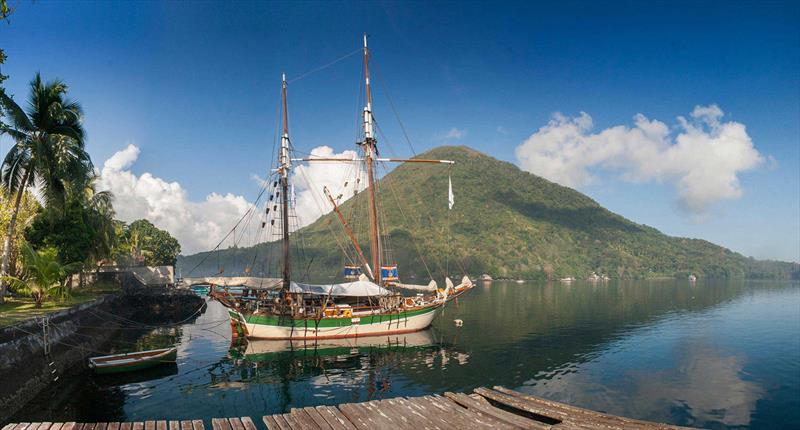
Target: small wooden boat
<point>133,361</point>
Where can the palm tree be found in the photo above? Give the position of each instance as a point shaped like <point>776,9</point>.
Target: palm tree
<point>44,275</point>
<point>101,218</point>
<point>48,150</point>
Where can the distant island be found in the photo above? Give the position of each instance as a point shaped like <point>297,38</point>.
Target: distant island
<point>506,223</point>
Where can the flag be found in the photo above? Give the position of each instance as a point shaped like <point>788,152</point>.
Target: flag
<point>450,199</point>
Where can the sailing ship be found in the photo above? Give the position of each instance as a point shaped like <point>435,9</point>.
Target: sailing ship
<point>370,304</point>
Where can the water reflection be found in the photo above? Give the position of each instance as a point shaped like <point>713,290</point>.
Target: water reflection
<point>365,366</point>
<point>718,355</point>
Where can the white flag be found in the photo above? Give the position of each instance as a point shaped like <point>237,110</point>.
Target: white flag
<point>450,199</point>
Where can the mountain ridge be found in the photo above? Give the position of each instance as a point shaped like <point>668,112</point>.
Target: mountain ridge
<point>506,222</point>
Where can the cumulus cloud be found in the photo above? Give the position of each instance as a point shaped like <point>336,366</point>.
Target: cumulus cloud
<point>198,226</point>
<point>453,134</point>
<point>502,130</point>
<point>702,156</point>
<point>309,180</point>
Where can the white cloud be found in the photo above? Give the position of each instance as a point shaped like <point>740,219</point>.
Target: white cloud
<point>453,134</point>
<point>198,226</point>
<point>702,158</point>
<point>309,180</point>
<point>502,130</point>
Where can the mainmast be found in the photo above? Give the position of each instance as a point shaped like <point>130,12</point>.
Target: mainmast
<point>283,170</point>
<point>370,153</point>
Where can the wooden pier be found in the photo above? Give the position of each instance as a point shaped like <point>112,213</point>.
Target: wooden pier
<point>496,408</point>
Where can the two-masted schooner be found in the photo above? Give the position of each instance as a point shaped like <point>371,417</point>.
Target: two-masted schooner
<point>368,305</point>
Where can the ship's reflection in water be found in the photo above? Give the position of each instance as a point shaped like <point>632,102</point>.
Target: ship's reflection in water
<point>362,367</point>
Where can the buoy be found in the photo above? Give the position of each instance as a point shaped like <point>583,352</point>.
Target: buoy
<point>459,323</point>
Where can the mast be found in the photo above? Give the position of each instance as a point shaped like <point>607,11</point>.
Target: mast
<point>283,169</point>
<point>370,153</point>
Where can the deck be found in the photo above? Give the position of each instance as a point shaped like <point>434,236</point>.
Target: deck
<point>496,408</point>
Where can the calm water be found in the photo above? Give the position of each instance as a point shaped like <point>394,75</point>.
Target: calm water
<point>717,355</point>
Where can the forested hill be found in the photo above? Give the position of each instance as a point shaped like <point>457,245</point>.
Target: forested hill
<point>507,223</point>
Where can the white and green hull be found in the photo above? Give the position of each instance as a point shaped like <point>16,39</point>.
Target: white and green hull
<point>274,327</point>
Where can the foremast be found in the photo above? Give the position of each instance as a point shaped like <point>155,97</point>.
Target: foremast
<point>284,163</point>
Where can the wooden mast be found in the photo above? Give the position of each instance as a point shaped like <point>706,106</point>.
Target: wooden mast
<point>370,153</point>
<point>283,169</point>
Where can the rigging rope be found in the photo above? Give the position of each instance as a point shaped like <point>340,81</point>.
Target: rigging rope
<point>324,66</point>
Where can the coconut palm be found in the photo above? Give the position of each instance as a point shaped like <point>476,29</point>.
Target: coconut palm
<point>48,150</point>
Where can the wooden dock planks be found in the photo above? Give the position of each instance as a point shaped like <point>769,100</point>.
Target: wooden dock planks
<point>487,408</point>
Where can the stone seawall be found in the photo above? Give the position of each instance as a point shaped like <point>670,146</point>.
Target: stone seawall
<point>37,352</point>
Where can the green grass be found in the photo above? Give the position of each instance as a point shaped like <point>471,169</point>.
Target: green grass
<point>16,309</point>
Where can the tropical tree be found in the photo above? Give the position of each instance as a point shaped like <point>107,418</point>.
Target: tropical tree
<point>141,240</point>
<point>48,150</point>
<point>44,275</point>
<point>28,211</point>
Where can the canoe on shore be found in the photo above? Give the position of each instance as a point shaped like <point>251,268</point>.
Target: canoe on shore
<point>132,361</point>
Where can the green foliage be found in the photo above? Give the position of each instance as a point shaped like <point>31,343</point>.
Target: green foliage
<point>142,240</point>
<point>507,223</point>
<point>69,230</point>
<point>28,210</point>
<point>44,275</point>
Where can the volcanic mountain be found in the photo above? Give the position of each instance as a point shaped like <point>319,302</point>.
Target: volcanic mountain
<point>506,222</point>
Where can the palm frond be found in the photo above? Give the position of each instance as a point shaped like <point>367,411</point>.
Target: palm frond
<point>19,120</point>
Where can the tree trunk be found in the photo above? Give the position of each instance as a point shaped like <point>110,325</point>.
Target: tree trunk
<point>7,244</point>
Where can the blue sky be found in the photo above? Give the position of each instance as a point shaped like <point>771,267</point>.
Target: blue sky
<point>194,86</point>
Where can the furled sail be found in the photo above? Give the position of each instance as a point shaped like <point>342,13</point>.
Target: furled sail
<point>351,289</point>
<point>430,287</point>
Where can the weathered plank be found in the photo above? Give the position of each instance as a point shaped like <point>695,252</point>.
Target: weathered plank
<point>236,423</point>
<point>357,415</point>
<point>303,419</point>
<point>138,426</point>
<point>317,418</point>
<point>271,423</point>
<point>71,425</point>
<point>9,426</point>
<point>575,413</point>
<point>335,418</point>
<point>111,426</point>
<point>148,425</point>
<point>126,426</point>
<point>410,417</point>
<point>292,423</point>
<point>248,423</point>
<point>495,413</point>
<point>173,425</point>
<point>160,425</point>
<point>220,424</point>
<point>198,425</point>
<point>469,418</point>
<point>56,426</point>
<point>450,412</point>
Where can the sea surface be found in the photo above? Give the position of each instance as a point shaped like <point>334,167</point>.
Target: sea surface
<point>714,354</point>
